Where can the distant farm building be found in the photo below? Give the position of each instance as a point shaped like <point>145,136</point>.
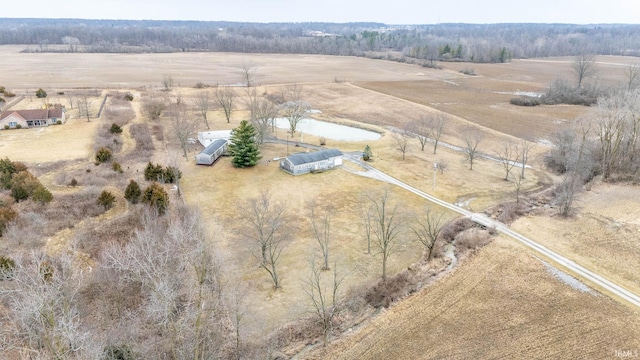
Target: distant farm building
<point>302,163</point>
<point>212,152</point>
<point>29,118</point>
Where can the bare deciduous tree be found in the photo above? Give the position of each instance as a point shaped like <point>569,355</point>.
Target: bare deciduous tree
<point>525,148</point>
<point>271,229</point>
<point>84,106</point>
<point>321,232</point>
<point>324,301</point>
<point>437,123</point>
<point>42,301</point>
<point>402,141</point>
<point>472,139</point>
<point>385,227</point>
<point>262,113</point>
<point>167,82</point>
<point>421,129</point>
<point>517,183</point>
<point>225,96</point>
<point>508,155</point>
<point>183,125</point>
<point>202,101</point>
<point>427,229</point>
<point>170,259</point>
<point>294,112</point>
<point>153,107</point>
<point>248,74</point>
<point>633,76</point>
<point>583,66</point>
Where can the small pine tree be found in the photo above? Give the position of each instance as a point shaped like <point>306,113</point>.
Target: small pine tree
<point>42,195</point>
<point>41,94</point>
<point>7,215</point>
<point>103,155</point>
<point>106,199</point>
<point>7,267</point>
<point>367,154</point>
<point>115,129</point>
<point>171,175</point>
<point>153,172</point>
<point>133,192</point>
<point>115,166</point>
<point>157,197</point>
<point>243,146</point>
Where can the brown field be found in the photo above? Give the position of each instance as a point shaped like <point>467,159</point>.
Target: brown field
<point>543,316</point>
<point>500,304</point>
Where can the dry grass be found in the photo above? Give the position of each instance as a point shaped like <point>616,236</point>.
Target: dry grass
<point>470,303</point>
<point>604,236</point>
<point>502,303</point>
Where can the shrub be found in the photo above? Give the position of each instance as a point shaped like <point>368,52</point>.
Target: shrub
<point>118,352</point>
<point>2,89</point>
<point>323,141</point>
<point>23,184</point>
<point>106,199</point>
<point>59,122</point>
<point>7,215</point>
<point>60,93</point>
<point>453,228</point>
<point>133,192</point>
<point>2,99</point>
<point>156,196</point>
<point>74,182</point>
<point>40,94</point>
<point>9,94</point>
<point>6,127</point>
<point>115,166</point>
<point>153,172</point>
<point>386,292</point>
<point>115,129</point>
<point>525,101</point>
<point>18,126</point>
<point>103,155</point>
<point>171,175</point>
<point>7,266</point>
<point>468,71</point>
<point>128,97</point>
<point>42,195</point>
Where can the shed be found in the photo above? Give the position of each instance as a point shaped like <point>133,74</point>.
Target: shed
<point>212,152</point>
<point>302,163</point>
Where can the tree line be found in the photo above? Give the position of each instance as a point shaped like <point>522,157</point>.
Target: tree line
<point>448,42</point>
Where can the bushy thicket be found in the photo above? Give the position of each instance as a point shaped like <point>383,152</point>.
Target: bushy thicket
<point>166,175</point>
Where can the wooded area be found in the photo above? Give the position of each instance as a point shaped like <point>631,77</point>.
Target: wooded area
<point>427,43</point>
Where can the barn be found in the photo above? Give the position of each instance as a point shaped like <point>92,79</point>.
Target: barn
<point>212,152</point>
<point>302,163</point>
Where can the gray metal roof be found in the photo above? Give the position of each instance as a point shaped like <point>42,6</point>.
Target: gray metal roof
<point>217,144</point>
<point>310,157</point>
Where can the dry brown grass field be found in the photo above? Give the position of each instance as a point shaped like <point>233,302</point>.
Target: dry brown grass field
<point>500,297</point>
<point>502,303</point>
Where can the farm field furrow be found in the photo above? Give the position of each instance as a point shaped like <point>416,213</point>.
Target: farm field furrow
<point>500,303</point>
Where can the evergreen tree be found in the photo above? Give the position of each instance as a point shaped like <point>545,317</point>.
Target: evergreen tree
<point>133,192</point>
<point>157,197</point>
<point>243,146</point>
<point>367,154</point>
<point>106,199</point>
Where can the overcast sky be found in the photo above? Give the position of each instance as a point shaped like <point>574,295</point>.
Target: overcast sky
<point>388,11</point>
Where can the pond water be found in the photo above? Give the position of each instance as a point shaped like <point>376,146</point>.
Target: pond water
<point>329,130</point>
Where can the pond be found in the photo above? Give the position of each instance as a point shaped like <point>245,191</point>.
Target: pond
<point>329,130</point>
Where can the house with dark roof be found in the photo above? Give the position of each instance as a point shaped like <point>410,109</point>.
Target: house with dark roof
<point>212,152</point>
<point>302,163</point>
<point>29,118</point>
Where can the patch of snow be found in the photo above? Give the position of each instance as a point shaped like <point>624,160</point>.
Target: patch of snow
<point>567,279</point>
<point>521,93</point>
<point>329,130</point>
